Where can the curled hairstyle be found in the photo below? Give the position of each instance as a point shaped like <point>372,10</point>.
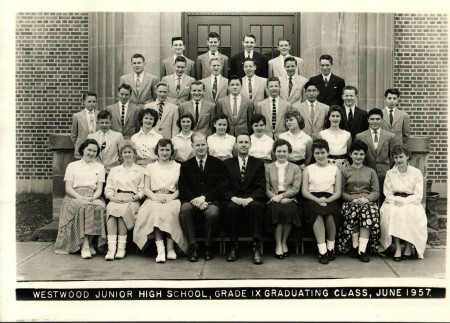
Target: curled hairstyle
<point>137,55</point>
<point>334,108</point>
<point>162,143</point>
<point>213,34</point>
<point>86,94</point>
<point>327,57</point>
<point>217,118</point>
<point>294,114</point>
<point>88,142</point>
<point>273,79</point>
<point>127,144</point>
<point>392,91</point>
<point>358,145</point>
<point>189,116</point>
<point>145,112</point>
<point>375,111</point>
<point>320,144</point>
<point>281,142</point>
<point>400,149</point>
<point>257,118</point>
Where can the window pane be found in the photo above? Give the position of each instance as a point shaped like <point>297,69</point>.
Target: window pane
<point>278,32</point>
<point>214,28</point>
<point>266,36</point>
<point>225,36</point>
<point>268,52</point>
<point>202,34</point>
<point>256,30</point>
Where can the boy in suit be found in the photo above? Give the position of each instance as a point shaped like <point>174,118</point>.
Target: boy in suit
<point>124,114</point>
<point>216,86</point>
<point>142,83</point>
<point>84,122</point>
<point>237,61</point>
<point>167,112</point>
<point>395,120</point>
<point>178,83</point>
<point>168,65</point>
<point>253,86</point>
<point>291,83</point>
<point>355,119</point>
<point>276,65</point>
<point>202,64</point>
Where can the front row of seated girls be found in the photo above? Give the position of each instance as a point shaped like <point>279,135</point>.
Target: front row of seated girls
<point>84,218</point>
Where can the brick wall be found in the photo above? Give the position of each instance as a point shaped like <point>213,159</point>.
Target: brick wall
<point>51,72</point>
<point>421,75</point>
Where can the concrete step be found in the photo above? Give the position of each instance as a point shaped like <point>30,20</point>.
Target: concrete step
<point>48,232</point>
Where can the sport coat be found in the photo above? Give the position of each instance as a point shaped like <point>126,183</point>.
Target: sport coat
<point>131,119</point>
<point>276,66</point>
<point>265,108</point>
<point>147,92</point>
<point>206,115</point>
<point>168,67</point>
<point>194,183</point>
<point>237,62</point>
<point>241,123</point>
<point>332,93</point>
<point>109,156</point>
<point>378,159</point>
<point>400,125</point>
<point>297,92</point>
<point>253,185</point>
<point>185,89</point>
<point>259,91</point>
<point>204,69</point>
<point>312,127</point>
<point>167,125</point>
<point>359,124</point>
<point>80,129</point>
<point>222,89</point>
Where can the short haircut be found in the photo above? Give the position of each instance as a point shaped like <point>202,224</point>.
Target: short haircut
<point>334,108</point>
<point>197,83</point>
<point>257,118</point>
<point>350,87</point>
<point>320,144</point>
<point>145,112</point>
<point>295,114</point>
<point>137,55</point>
<point>234,77</point>
<point>198,134</point>
<point>273,79</point>
<point>249,35</point>
<point>290,59</point>
<point>86,143</point>
<point>86,94</point>
<point>125,86</point>
<point>327,57</point>
<point>392,91</point>
<point>180,59</point>
<point>281,142</point>
<point>358,145</point>
<point>375,111</point>
<point>400,149</point>
<point>104,114</point>
<point>161,84</point>
<point>243,134</point>
<point>177,38</point>
<point>217,118</point>
<point>213,34</point>
<point>189,116</point>
<point>311,83</point>
<point>283,39</point>
<point>216,59</point>
<point>162,143</point>
<point>127,144</point>
<point>248,59</point>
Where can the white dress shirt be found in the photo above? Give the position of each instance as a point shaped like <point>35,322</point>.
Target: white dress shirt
<point>85,174</point>
<point>221,147</point>
<point>146,143</point>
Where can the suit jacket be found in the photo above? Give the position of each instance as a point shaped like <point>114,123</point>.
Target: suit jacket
<point>253,185</point>
<point>293,179</point>
<point>259,91</point>
<point>312,127</point>
<point>80,129</point>
<point>222,89</point>
<point>206,115</point>
<point>237,61</point>
<point>297,92</point>
<point>276,67</point>
<point>241,123</point>
<point>193,183</point>
<point>109,156</point>
<point>185,89</point>
<point>167,125</point>
<point>331,94</point>
<point>400,125</point>
<point>378,159</point>
<point>168,67</point>
<point>146,94</point>
<point>265,108</point>
<point>359,124</point>
<point>131,119</point>
<point>203,67</point>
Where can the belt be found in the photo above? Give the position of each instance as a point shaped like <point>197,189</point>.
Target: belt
<point>121,191</point>
<point>163,191</point>
<point>402,194</point>
<point>337,156</point>
<point>298,162</point>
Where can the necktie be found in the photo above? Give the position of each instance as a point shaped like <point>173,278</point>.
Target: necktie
<point>160,110</point>
<point>391,116</point>
<point>122,115</point>
<point>138,83</point>
<point>235,107</point>
<point>214,90</point>
<point>250,90</point>
<point>103,146</point>
<point>312,112</point>
<point>201,166</point>
<point>243,169</point>
<point>178,85</point>
<point>325,80</point>
<point>196,112</point>
<point>274,114</point>
<point>375,136</point>
<point>290,85</point>
<point>350,118</point>
<point>91,122</point>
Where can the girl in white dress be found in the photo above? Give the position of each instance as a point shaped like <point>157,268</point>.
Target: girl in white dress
<point>220,143</point>
<point>182,141</point>
<point>261,143</point>
<point>402,214</point>
<point>338,139</point>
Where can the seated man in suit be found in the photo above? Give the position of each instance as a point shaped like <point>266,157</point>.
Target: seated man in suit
<point>202,110</point>
<point>108,140</point>
<point>216,85</point>
<point>200,179</point>
<point>273,109</point>
<point>291,83</point>
<point>276,65</point>
<point>253,86</point>
<point>202,64</point>
<point>124,115</point>
<point>312,111</point>
<point>395,120</point>
<point>238,109</point>
<point>329,84</point>
<point>178,83</point>
<point>380,143</point>
<point>167,112</point>
<point>243,192</point>
<point>168,64</point>
<point>142,83</point>
<point>355,119</point>
<point>237,61</point>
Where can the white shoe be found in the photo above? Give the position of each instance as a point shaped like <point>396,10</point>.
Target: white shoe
<point>121,244</point>
<point>171,254</point>
<point>110,254</point>
<point>92,250</point>
<point>85,253</point>
<point>161,257</point>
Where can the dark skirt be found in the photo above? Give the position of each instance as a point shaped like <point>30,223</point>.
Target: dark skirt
<point>311,209</point>
<point>278,213</point>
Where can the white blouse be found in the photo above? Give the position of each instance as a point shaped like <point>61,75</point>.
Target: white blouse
<point>126,180</point>
<point>298,143</point>
<point>410,182</point>
<point>183,147</point>
<point>163,176</point>
<point>221,147</point>
<point>261,147</point>
<point>281,175</point>
<point>85,174</point>
<point>322,179</point>
<point>337,143</point>
<point>146,143</point>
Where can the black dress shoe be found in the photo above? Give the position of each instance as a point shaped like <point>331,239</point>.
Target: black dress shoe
<point>257,259</point>
<point>208,254</point>
<point>397,259</point>
<point>323,259</point>
<point>279,256</point>
<point>354,252</point>
<point>364,257</point>
<point>331,255</point>
<point>193,254</point>
<point>286,254</point>
<point>233,255</point>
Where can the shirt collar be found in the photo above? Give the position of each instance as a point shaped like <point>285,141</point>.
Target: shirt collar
<point>145,134</point>
<point>180,134</point>
<point>246,54</point>
<point>88,112</point>
<point>199,102</point>
<point>84,163</point>
<point>133,167</point>
<point>328,76</point>
<point>204,159</point>
<point>176,76</point>
<point>141,76</point>
<point>389,109</point>
<point>348,108</point>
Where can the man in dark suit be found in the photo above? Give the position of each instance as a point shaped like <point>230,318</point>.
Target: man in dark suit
<point>355,119</point>
<point>237,61</point>
<point>199,186</point>
<point>243,192</point>
<point>330,85</point>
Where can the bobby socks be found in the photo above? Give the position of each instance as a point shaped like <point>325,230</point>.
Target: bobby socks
<point>355,237</point>
<point>330,245</point>
<point>322,248</point>
<point>363,244</point>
